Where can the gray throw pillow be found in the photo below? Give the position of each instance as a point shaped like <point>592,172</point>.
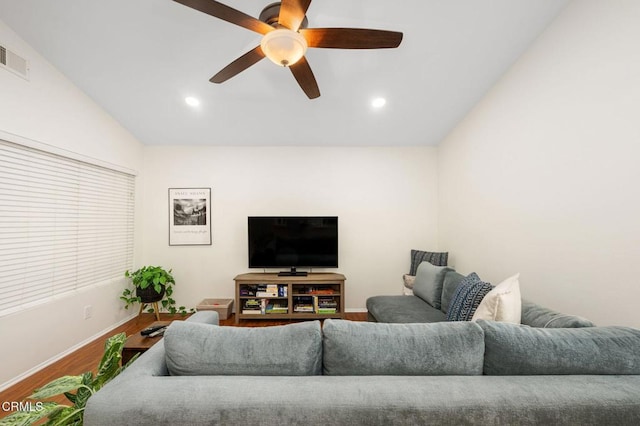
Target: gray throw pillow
<point>543,317</point>
<point>354,348</point>
<point>513,349</point>
<point>194,349</point>
<point>435,258</point>
<point>428,283</point>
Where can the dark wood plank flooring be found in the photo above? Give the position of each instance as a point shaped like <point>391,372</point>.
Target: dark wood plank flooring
<point>88,357</point>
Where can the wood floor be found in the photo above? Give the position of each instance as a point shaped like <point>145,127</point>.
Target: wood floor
<point>87,358</point>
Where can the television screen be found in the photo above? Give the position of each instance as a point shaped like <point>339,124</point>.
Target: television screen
<point>286,241</point>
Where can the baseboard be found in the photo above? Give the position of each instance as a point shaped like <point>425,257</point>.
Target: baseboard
<point>347,310</point>
<point>4,386</point>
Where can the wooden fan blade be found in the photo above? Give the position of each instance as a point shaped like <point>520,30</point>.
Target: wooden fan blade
<point>351,38</point>
<point>292,13</point>
<point>239,65</point>
<point>229,14</point>
<point>303,74</point>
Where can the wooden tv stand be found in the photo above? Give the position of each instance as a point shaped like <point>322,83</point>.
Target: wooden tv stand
<point>314,296</point>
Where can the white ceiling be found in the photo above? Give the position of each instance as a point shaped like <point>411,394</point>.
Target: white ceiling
<point>139,60</point>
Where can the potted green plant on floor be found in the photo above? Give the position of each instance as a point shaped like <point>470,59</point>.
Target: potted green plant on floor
<point>151,284</point>
<point>84,386</point>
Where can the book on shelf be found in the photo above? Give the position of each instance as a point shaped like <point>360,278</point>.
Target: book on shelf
<point>303,304</point>
<point>266,294</point>
<point>322,291</point>
<point>325,305</point>
<point>252,306</point>
<point>327,302</point>
<point>247,291</point>
<point>277,308</point>
<point>267,290</point>
<point>282,290</point>
<point>303,308</point>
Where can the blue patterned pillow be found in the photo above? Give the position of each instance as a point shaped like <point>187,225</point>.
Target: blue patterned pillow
<point>467,297</point>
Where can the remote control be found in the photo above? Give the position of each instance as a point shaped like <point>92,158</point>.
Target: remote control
<point>158,332</point>
<point>147,331</point>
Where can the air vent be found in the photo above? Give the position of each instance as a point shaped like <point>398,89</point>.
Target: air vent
<point>14,63</point>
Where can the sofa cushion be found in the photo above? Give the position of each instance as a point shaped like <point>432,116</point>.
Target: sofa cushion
<point>512,349</point>
<point>540,316</point>
<point>364,348</point>
<point>503,303</point>
<point>428,283</point>
<point>451,282</point>
<point>194,349</point>
<point>467,297</point>
<point>419,256</point>
<point>403,309</point>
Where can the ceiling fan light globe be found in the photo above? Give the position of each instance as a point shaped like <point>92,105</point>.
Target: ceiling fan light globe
<point>284,47</point>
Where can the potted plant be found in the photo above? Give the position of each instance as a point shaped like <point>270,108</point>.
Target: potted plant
<point>151,284</point>
<point>84,386</point>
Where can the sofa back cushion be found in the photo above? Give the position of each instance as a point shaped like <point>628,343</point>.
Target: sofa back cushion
<point>451,282</point>
<point>194,349</point>
<point>512,349</point>
<point>364,348</point>
<point>539,316</point>
<point>428,283</point>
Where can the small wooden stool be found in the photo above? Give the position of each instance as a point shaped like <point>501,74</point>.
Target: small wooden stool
<point>155,309</point>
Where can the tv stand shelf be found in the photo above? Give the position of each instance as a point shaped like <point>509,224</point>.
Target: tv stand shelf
<point>317,295</point>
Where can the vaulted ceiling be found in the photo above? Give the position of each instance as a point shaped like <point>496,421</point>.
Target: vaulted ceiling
<point>140,59</point>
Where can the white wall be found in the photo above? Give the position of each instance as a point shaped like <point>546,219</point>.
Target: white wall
<point>385,199</point>
<point>541,177</point>
<point>49,110</point>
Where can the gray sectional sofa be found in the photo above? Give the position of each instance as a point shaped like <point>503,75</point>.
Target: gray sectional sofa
<point>364,373</point>
<point>414,309</point>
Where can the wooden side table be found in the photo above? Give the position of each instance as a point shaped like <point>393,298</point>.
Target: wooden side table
<point>138,344</point>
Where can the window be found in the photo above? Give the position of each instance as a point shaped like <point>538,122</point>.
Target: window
<point>64,225</point>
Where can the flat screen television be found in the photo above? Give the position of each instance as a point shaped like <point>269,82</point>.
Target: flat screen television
<point>293,242</point>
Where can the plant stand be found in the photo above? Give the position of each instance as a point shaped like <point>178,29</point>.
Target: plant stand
<point>155,309</point>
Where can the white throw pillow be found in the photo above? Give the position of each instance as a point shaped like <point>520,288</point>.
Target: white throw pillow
<point>409,280</point>
<point>503,303</point>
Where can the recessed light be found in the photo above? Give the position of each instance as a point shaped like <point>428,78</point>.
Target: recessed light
<point>378,102</point>
<point>191,101</point>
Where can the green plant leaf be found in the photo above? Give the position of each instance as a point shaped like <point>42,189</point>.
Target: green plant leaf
<point>79,399</point>
<point>25,418</point>
<point>110,362</point>
<point>66,417</point>
<point>57,387</point>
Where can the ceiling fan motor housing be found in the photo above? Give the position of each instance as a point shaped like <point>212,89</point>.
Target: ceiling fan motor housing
<point>271,13</point>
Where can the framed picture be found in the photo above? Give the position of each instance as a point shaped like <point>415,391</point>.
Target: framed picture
<point>189,216</point>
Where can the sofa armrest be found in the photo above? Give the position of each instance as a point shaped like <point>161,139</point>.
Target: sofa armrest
<point>205,317</point>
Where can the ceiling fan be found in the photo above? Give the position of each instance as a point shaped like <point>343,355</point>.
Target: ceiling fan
<point>286,38</point>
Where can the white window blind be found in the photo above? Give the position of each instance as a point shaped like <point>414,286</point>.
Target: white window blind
<point>64,225</point>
